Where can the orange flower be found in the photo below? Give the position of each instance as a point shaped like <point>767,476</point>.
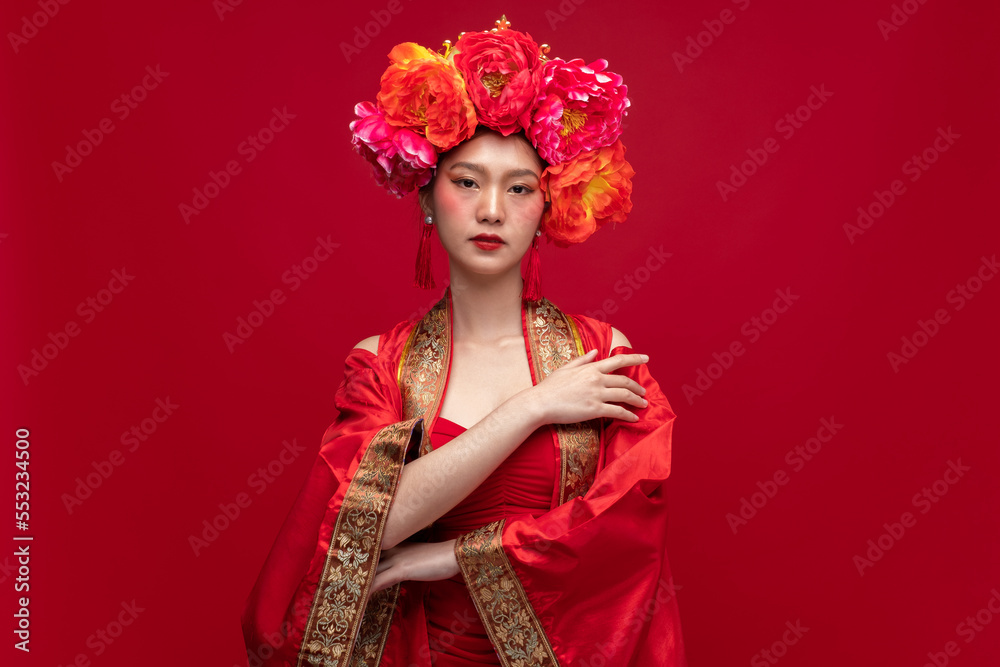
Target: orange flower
<point>423,92</point>
<point>589,191</point>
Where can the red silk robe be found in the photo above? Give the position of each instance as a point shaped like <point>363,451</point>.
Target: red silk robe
<point>585,584</point>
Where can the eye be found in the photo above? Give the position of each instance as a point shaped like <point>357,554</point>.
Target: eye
<point>521,189</point>
<point>465,183</point>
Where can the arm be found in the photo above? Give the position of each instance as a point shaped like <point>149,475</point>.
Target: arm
<point>482,448</point>
<point>580,390</point>
<point>433,561</point>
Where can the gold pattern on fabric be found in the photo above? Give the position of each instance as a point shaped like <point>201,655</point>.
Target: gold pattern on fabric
<point>503,606</point>
<point>374,630</point>
<point>355,544</point>
<point>422,369</point>
<point>554,340</point>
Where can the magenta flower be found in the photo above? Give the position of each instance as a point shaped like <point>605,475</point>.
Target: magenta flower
<point>579,108</point>
<point>401,159</point>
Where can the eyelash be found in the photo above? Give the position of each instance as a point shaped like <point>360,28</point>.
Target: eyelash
<point>525,189</point>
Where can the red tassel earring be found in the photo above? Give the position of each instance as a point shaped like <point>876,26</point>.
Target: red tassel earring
<point>532,276</point>
<point>423,278</point>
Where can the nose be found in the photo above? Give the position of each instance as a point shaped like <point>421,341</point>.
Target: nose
<point>491,205</point>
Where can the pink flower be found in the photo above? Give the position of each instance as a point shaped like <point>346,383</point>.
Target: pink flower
<point>502,72</point>
<point>579,108</point>
<point>401,159</point>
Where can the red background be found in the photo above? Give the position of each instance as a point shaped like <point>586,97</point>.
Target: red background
<point>826,357</point>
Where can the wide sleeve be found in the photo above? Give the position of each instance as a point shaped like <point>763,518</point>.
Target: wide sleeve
<point>589,581</point>
<point>279,604</point>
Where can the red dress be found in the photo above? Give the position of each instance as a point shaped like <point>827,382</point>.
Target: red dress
<point>563,554</point>
<point>521,484</point>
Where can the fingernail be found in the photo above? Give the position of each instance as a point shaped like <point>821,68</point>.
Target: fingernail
<point>645,357</point>
<point>645,402</point>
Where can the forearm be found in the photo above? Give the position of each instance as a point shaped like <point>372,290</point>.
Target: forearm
<point>434,483</point>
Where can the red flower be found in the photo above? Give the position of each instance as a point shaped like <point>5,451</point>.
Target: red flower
<point>401,159</point>
<point>502,73</point>
<point>586,193</point>
<point>423,92</point>
<point>579,108</point>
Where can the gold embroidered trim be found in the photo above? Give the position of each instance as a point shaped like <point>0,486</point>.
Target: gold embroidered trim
<point>503,606</point>
<point>374,630</point>
<point>406,351</point>
<point>576,336</point>
<point>554,340</point>
<point>339,603</point>
<point>422,370</point>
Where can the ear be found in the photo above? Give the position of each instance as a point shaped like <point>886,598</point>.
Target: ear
<point>426,202</point>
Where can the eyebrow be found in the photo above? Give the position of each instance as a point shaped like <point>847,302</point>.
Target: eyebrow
<point>513,173</point>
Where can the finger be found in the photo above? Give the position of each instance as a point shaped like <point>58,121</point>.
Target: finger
<point>614,411</point>
<point>377,585</point>
<point>624,382</point>
<point>620,361</point>
<point>625,396</point>
<point>583,359</point>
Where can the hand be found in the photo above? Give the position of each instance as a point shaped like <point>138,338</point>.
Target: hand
<point>415,561</point>
<point>585,389</point>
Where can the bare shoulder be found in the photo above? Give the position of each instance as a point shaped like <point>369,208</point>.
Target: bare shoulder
<point>370,344</point>
<point>618,338</point>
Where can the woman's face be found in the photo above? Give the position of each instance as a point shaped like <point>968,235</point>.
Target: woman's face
<point>487,202</point>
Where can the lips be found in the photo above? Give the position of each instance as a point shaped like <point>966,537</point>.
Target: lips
<point>488,242</point>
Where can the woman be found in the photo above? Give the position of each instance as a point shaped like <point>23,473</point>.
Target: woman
<point>534,536</point>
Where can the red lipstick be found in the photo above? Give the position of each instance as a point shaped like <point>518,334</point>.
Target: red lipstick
<point>488,241</point>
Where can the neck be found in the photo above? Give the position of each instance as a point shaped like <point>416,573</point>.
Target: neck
<point>486,308</point>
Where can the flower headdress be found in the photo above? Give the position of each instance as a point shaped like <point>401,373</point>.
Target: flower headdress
<point>570,111</point>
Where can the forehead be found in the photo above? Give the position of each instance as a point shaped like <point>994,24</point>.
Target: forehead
<point>493,151</point>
